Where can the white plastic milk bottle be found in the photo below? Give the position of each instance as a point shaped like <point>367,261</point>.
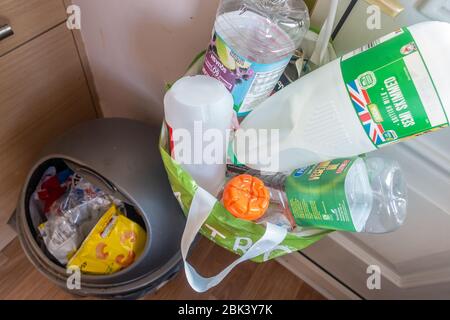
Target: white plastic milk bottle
<point>389,90</point>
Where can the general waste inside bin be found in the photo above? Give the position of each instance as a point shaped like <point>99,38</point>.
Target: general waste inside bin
<point>121,157</point>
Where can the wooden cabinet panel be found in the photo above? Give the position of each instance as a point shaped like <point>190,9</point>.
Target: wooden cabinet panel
<point>29,18</point>
<point>43,92</point>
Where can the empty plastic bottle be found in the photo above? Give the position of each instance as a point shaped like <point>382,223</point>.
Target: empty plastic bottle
<point>252,43</point>
<point>352,194</point>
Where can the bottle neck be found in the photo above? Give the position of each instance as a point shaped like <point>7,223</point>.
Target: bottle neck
<point>272,3</point>
<point>268,6</point>
<point>273,180</point>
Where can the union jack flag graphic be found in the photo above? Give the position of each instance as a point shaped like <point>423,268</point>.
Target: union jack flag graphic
<point>361,101</point>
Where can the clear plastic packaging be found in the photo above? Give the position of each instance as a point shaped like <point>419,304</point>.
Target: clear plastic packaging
<point>72,217</point>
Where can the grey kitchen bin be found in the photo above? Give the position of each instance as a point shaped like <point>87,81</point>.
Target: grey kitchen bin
<point>122,157</point>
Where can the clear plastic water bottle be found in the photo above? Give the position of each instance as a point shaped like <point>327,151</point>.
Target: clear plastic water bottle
<point>252,43</point>
<point>355,194</point>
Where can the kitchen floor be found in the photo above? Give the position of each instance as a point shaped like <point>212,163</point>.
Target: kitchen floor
<point>19,279</point>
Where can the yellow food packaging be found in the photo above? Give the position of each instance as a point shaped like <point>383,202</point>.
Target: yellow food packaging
<point>114,244</point>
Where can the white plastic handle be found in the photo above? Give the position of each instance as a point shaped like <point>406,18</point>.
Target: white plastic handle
<point>325,35</point>
<point>201,206</point>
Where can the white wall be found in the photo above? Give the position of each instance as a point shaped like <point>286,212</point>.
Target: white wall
<point>136,46</point>
<point>351,36</point>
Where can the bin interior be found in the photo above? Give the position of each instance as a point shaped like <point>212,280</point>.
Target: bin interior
<point>37,218</point>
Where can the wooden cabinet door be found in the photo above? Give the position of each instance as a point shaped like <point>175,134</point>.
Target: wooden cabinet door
<point>43,92</point>
<point>29,19</point>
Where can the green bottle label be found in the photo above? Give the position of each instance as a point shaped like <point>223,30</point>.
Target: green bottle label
<point>391,89</point>
<point>316,195</point>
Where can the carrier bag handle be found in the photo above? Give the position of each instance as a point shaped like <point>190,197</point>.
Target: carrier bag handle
<point>325,35</point>
<point>201,206</point>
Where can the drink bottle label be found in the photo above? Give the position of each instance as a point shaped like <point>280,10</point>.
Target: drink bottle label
<point>171,140</point>
<point>391,89</point>
<point>249,82</point>
<point>316,195</point>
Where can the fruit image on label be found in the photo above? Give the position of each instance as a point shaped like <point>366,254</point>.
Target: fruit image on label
<point>249,82</point>
<point>246,197</point>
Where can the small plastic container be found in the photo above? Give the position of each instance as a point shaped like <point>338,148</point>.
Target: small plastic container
<point>251,46</point>
<point>199,114</point>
